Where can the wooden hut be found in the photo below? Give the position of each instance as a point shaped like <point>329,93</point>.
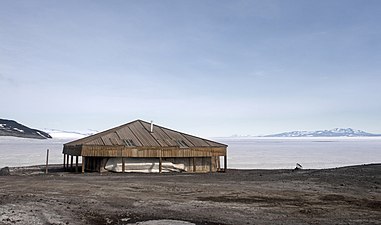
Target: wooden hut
<point>139,143</point>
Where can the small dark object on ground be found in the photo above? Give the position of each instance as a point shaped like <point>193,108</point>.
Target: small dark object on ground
<point>5,171</point>
<point>298,167</point>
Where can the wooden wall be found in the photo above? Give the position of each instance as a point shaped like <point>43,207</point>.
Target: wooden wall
<point>123,151</point>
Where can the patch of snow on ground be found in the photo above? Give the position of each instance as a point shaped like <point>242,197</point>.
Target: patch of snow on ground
<point>41,134</point>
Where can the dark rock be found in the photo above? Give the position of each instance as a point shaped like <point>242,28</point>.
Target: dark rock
<point>5,171</point>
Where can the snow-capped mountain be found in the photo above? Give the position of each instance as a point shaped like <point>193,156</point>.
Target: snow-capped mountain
<point>15,129</point>
<point>336,132</point>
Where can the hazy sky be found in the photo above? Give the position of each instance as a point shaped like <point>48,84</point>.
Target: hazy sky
<point>210,68</point>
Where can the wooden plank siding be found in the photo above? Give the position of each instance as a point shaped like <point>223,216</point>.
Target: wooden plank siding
<point>73,150</point>
<point>122,151</point>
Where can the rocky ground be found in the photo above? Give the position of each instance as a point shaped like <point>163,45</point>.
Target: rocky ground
<point>349,195</point>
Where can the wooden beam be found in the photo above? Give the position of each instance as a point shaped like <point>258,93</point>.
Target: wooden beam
<point>225,162</point>
<point>64,161</point>
<point>160,162</point>
<point>67,161</point>
<point>47,161</point>
<point>210,165</point>
<point>76,164</point>
<point>123,166</point>
<point>147,152</point>
<point>83,164</point>
<point>218,163</point>
<point>194,164</point>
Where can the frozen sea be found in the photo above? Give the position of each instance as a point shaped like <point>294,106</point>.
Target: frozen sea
<point>25,151</point>
<point>311,153</point>
<point>243,153</point>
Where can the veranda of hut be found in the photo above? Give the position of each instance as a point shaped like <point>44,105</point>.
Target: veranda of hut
<point>142,140</point>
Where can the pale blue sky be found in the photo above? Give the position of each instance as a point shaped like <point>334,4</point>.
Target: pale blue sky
<point>211,68</point>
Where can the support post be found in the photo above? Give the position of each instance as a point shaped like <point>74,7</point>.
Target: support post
<point>194,164</point>
<point>67,161</point>
<point>218,164</point>
<point>160,161</point>
<point>76,164</point>
<point>71,162</point>
<point>123,166</point>
<point>47,161</point>
<point>210,165</point>
<point>225,163</point>
<point>64,161</point>
<point>83,164</point>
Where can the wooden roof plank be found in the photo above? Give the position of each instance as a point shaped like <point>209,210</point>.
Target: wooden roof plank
<point>196,141</point>
<point>176,136</point>
<point>153,137</point>
<point>143,134</point>
<point>160,135</point>
<point>125,133</point>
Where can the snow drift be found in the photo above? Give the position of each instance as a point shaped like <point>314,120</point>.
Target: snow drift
<point>142,165</point>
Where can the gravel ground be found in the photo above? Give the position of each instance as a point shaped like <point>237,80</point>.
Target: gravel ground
<point>348,195</point>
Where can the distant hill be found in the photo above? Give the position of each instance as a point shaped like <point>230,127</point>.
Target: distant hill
<point>15,129</point>
<point>336,132</point>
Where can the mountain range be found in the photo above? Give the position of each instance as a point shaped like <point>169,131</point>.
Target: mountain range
<point>15,129</point>
<point>336,132</point>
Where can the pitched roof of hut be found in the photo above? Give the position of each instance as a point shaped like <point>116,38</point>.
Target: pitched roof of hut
<point>138,133</point>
